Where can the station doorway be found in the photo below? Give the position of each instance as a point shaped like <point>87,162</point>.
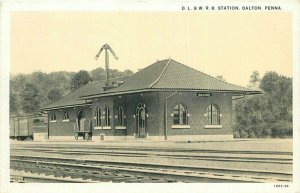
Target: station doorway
<point>80,120</point>
<point>141,120</point>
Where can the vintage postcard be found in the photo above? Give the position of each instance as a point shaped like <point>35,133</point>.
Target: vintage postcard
<point>131,96</point>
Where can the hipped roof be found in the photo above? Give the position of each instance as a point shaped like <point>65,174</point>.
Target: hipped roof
<point>164,75</point>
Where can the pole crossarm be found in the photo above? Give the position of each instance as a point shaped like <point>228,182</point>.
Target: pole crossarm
<point>107,48</point>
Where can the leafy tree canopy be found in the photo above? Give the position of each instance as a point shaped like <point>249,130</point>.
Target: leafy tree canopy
<point>80,79</point>
<point>221,77</point>
<point>30,98</point>
<point>54,94</point>
<point>50,86</point>
<point>254,80</point>
<point>269,114</point>
<point>13,103</point>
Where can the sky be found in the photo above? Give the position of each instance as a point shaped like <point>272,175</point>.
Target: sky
<point>232,44</point>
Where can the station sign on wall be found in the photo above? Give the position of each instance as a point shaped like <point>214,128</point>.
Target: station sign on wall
<point>203,94</point>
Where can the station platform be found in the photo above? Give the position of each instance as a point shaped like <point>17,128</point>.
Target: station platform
<point>280,145</point>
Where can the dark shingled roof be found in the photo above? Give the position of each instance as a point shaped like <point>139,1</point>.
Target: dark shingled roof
<point>68,100</point>
<point>162,75</point>
<point>71,99</point>
<point>179,76</point>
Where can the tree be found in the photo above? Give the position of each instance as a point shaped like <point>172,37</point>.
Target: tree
<point>221,78</point>
<point>13,103</point>
<point>269,114</point>
<point>30,98</point>
<point>80,79</point>
<point>279,90</point>
<point>17,82</point>
<point>60,80</point>
<point>54,94</point>
<point>250,114</point>
<point>127,72</point>
<point>254,80</point>
<point>53,82</point>
<point>98,74</point>
<point>115,73</point>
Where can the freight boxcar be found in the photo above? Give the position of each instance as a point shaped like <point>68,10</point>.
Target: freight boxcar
<point>23,127</point>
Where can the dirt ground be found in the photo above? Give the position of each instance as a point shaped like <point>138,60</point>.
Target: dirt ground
<point>282,145</point>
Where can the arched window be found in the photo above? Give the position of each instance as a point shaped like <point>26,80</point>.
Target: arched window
<point>213,114</point>
<point>66,116</point>
<point>98,117</point>
<point>107,116</point>
<point>180,115</point>
<point>53,117</point>
<point>120,117</point>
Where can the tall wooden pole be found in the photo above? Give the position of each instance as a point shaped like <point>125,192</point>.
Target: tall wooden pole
<point>166,113</point>
<point>107,67</point>
<point>27,127</point>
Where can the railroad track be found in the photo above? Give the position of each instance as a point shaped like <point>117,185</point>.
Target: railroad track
<point>206,155</point>
<point>83,170</point>
<point>156,149</point>
<point>21,176</point>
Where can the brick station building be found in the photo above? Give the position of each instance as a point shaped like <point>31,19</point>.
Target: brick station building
<point>164,101</point>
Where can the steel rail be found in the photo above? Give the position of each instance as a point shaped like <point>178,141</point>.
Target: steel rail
<point>181,173</point>
<point>163,155</point>
<point>159,149</point>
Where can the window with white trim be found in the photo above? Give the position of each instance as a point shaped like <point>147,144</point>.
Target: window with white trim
<point>98,117</point>
<point>107,116</point>
<point>66,116</point>
<point>53,117</point>
<point>120,117</point>
<point>180,115</point>
<point>213,115</point>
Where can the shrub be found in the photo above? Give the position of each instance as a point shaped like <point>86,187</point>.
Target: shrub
<point>281,129</point>
<point>236,134</point>
<point>243,134</point>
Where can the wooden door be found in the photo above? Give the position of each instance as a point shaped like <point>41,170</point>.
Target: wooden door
<point>141,120</point>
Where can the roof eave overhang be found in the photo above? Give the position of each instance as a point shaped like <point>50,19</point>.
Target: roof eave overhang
<point>167,90</point>
<point>64,107</point>
<point>248,93</point>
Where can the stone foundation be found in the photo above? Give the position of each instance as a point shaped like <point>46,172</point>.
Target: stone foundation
<point>62,138</point>
<point>170,138</point>
<point>200,137</point>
